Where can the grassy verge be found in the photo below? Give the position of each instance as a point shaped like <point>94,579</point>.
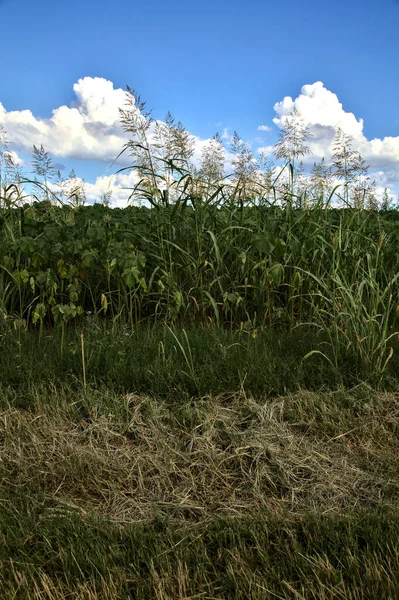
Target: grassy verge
<point>70,556</point>
<point>110,495</point>
<point>181,363</point>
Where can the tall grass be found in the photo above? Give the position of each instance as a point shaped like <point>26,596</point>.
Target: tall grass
<point>171,363</point>
<point>221,263</point>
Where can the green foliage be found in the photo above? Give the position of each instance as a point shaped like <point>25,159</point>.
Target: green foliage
<point>241,267</point>
<point>165,362</point>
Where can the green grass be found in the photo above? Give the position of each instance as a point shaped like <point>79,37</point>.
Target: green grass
<point>181,363</point>
<point>66,555</point>
<point>231,266</point>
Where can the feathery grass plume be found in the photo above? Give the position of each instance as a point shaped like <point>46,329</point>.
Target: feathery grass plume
<point>292,143</point>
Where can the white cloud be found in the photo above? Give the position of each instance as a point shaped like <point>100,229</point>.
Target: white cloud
<point>119,186</point>
<point>266,150</point>
<point>89,129</point>
<point>320,107</point>
<point>322,111</point>
<point>17,160</point>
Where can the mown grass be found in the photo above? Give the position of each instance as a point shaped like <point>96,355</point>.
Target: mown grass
<point>130,457</point>
<point>110,495</point>
<point>73,556</point>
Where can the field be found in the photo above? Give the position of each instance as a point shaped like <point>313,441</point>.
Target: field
<point>198,401</point>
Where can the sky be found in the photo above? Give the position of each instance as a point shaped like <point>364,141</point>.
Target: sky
<point>216,65</point>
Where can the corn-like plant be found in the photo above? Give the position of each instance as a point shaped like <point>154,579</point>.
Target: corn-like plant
<point>356,309</point>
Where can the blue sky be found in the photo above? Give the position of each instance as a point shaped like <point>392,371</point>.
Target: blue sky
<point>214,65</point>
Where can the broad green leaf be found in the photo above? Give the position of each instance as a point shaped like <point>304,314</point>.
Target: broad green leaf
<point>276,273</point>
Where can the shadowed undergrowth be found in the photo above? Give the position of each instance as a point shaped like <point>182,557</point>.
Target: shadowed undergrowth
<point>181,363</point>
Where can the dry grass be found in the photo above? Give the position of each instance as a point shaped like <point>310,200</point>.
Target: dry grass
<point>46,588</point>
<point>105,496</point>
<point>226,456</point>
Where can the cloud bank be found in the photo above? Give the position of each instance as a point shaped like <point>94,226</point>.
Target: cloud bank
<point>89,129</point>
<point>322,111</point>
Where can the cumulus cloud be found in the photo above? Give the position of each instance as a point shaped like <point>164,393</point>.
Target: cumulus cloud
<point>323,113</point>
<point>118,188</point>
<point>318,106</point>
<point>89,129</point>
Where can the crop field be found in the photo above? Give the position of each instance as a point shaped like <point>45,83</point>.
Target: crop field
<point>332,272</point>
<point>199,394</point>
